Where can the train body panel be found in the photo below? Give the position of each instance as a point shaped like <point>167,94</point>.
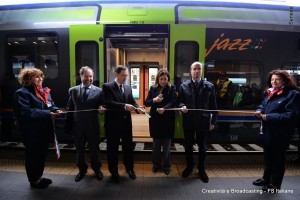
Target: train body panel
<point>242,40</point>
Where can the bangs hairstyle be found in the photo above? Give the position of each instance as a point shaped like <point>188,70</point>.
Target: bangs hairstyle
<point>26,75</point>
<point>160,73</point>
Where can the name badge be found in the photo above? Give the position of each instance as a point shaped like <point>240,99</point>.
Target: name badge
<point>49,104</point>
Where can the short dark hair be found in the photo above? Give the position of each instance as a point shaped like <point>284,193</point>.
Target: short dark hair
<point>120,68</point>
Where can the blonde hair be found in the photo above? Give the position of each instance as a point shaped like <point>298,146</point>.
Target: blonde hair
<point>26,75</point>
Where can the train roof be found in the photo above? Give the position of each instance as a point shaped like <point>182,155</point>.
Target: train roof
<point>276,15</point>
<point>260,2</point>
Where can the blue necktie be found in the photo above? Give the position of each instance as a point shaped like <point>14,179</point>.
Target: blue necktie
<point>85,94</point>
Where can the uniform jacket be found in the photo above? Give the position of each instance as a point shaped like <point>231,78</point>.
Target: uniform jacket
<point>117,118</point>
<point>33,116</point>
<point>282,111</point>
<point>205,98</point>
<point>162,125</point>
<point>85,121</point>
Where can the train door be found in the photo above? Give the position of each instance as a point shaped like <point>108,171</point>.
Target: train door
<point>87,49</point>
<point>142,76</point>
<point>143,49</point>
<point>187,45</point>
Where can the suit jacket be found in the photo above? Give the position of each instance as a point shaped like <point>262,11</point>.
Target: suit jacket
<point>117,119</point>
<point>205,98</point>
<point>162,125</point>
<point>85,121</point>
<point>33,115</point>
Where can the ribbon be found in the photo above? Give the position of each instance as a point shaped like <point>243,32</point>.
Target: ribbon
<point>56,146</point>
<point>207,110</point>
<point>180,109</point>
<point>87,110</point>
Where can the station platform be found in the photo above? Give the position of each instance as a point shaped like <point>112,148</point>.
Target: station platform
<point>231,177</point>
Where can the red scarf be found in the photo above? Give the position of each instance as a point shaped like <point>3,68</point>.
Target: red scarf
<point>273,91</point>
<point>42,93</point>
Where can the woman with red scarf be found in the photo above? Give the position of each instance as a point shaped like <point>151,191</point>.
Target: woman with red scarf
<point>278,112</point>
<point>35,110</point>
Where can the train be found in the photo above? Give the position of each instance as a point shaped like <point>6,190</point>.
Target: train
<point>237,42</point>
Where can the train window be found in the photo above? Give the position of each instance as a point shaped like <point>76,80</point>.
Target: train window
<point>135,81</point>
<point>293,68</point>
<point>32,50</point>
<point>152,75</point>
<point>186,52</point>
<point>87,54</point>
<point>238,83</point>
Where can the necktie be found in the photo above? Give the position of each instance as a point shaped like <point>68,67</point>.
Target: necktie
<point>196,84</point>
<point>122,93</point>
<point>121,90</point>
<point>85,94</point>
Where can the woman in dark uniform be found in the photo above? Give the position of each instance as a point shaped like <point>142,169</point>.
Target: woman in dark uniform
<point>35,110</point>
<point>278,112</point>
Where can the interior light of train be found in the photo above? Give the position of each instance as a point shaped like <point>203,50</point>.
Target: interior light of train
<point>63,22</point>
<point>293,72</point>
<point>133,35</point>
<point>238,80</point>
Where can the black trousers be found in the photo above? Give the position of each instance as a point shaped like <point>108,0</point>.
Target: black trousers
<point>94,150</point>
<point>35,156</point>
<point>298,129</point>
<point>299,145</point>
<point>274,158</point>
<point>113,141</point>
<point>201,140</point>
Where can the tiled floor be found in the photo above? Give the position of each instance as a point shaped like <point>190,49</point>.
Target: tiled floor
<point>143,168</point>
<point>228,180</point>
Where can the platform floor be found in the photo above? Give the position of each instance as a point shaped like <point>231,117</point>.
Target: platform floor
<point>227,181</point>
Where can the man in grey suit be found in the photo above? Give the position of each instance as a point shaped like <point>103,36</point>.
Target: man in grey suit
<point>119,102</point>
<point>85,126</point>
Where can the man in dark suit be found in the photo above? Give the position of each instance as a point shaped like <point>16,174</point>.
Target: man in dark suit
<point>197,93</point>
<point>85,126</point>
<point>119,102</point>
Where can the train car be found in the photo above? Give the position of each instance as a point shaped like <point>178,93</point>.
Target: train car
<point>238,43</point>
